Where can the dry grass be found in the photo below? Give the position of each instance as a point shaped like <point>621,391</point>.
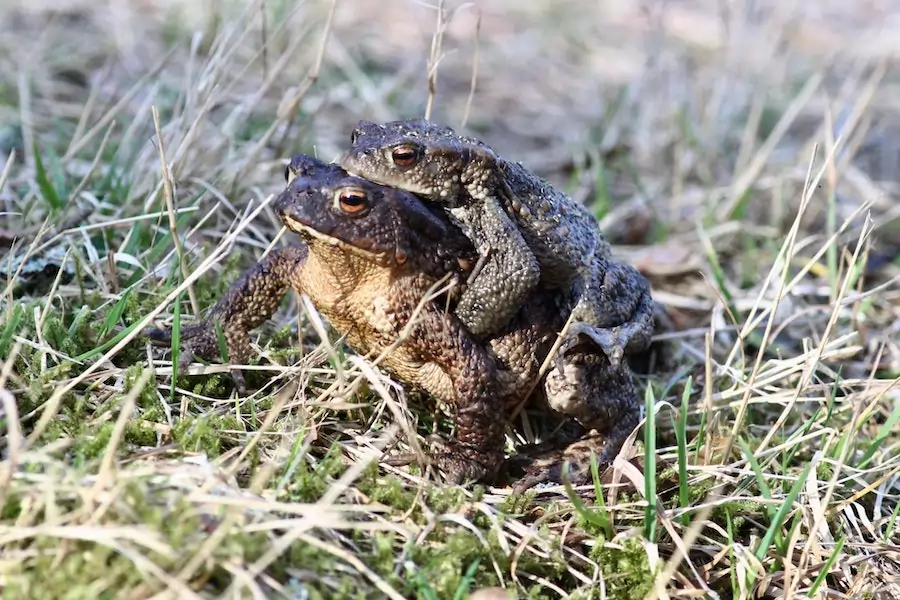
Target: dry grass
<point>744,155</point>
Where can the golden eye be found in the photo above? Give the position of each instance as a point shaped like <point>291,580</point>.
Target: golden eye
<point>352,201</point>
<point>404,156</point>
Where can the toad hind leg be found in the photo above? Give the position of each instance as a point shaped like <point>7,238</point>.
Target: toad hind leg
<point>249,301</point>
<point>509,274</point>
<point>548,466</point>
<point>603,400</point>
<point>616,313</point>
<point>476,452</point>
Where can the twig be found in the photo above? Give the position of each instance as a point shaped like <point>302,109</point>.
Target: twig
<point>434,59</point>
<point>265,41</point>
<point>465,118</point>
<point>169,195</point>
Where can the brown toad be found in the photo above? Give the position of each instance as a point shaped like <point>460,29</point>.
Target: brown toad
<point>374,255</point>
<point>527,231</point>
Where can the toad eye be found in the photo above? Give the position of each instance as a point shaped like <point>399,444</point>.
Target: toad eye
<point>404,156</point>
<point>352,201</point>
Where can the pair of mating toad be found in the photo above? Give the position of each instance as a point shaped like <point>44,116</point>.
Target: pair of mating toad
<point>522,262</point>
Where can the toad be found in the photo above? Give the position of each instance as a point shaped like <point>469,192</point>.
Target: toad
<point>526,231</point>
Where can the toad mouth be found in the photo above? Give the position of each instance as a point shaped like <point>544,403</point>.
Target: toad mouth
<point>311,233</point>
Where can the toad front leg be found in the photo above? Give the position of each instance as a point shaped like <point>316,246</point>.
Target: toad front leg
<point>510,271</point>
<point>250,301</point>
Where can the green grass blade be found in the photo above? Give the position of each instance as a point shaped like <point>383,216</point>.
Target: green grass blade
<point>599,499</point>
<point>9,330</point>
<point>775,527</point>
<point>892,522</point>
<point>823,573</point>
<point>681,441</point>
<point>176,345</point>
<point>115,314</point>
<point>650,465</point>
<point>596,518</point>
<point>106,345</point>
<point>467,580</point>
<point>48,192</point>
<point>886,430</point>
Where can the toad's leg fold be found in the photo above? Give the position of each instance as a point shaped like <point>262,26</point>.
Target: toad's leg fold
<point>509,274</point>
<point>615,311</point>
<point>250,301</point>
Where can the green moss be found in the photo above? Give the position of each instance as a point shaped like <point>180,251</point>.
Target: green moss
<point>85,570</point>
<point>824,471</point>
<point>154,414</point>
<point>284,336</point>
<point>626,569</point>
<point>306,567</point>
<point>384,547</point>
<point>148,398</point>
<point>443,559</point>
<point>75,335</point>
<point>12,508</point>
<point>517,503</point>
<point>215,385</point>
<point>698,490</point>
<point>308,482</point>
<point>35,395</point>
<point>140,434</point>
<point>54,431</point>
<point>206,434</point>
<point>77,410</point>
<point>90,445</point>
<point>131,309</point>
<point>737,511</point>
<point>389,490</point>
<point>445,499</point>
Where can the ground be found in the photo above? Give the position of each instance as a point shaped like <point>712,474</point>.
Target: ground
<point>743,155</point>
